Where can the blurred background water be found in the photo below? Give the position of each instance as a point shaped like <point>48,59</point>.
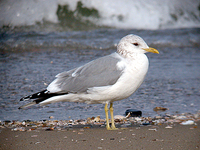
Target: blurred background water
<point>42,38</point>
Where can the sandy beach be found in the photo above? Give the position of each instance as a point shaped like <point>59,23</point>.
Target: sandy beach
<point>176,136</point>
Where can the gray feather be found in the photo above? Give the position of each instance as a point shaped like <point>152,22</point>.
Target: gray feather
<point>100,72</point>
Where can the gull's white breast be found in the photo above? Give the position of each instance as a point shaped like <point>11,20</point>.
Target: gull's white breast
<point>135,70</point>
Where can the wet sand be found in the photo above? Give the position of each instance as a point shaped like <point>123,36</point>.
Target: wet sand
<point>178,137</point>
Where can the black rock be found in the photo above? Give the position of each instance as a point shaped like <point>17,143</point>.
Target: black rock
<point>133,113</point>
<point>7,122</point>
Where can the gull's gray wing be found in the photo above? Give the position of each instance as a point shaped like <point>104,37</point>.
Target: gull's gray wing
<point>99,72</point>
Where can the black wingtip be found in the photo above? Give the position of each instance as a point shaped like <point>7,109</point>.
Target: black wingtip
<point>39,97</point>
<point>25,98</point>
<point>35,95</point>
<point>22,99</point>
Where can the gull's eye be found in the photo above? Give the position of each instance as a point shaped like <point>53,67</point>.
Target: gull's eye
<point>136,44</point>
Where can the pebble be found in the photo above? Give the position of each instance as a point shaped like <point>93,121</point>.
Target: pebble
<point>160,109</point>
<point>168,127</point>
<point>51,117</point>
<point>120,117</point>
<point>137,119</point>
<point>80,133</point>
<point>133,113</point>
<point>122,139</point>
<point>188,122</point>
<point>154,129</point>
<point>122,121</point>
<point>97,119</point>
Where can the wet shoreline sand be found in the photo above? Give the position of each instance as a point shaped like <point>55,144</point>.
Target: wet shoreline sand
<point>177,137</point>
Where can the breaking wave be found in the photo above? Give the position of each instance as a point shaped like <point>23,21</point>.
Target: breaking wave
<point>83,14</point>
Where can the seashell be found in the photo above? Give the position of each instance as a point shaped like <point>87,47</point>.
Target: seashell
<point>154,129</point>
<point>137,119</point>
<point>120,117</point>
<point>160,109</point>
<point>168,127</point>
<point>51,117</point>
<point>97,119</point>
<point>188,122</point>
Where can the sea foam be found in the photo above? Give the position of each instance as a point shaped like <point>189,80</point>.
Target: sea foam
<point>127,14</point>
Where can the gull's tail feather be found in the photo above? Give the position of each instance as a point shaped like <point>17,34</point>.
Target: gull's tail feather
<point>39,97</point>
<point>27,105</point>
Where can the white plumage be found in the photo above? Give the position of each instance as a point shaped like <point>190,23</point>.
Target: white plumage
<point>104,80</point>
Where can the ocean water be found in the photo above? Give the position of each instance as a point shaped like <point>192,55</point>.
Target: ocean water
<point>84,14</point>
<point>38,41</point>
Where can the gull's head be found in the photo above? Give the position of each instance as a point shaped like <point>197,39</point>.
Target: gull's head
<point>133,44</point>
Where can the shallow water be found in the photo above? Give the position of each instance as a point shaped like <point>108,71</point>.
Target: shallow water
<point>30,60</point>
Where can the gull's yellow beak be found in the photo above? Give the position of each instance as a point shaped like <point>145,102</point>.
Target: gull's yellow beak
<point>152,50</point>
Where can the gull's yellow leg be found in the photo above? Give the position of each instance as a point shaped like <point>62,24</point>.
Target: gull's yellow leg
<point>112,117</point>
<point>107,118</point>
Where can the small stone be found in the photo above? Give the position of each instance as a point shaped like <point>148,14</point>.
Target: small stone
<point>80,133</point>
<point>51,117</point>
<point>180,117</point>
<point>120,117</point>
<point>196,116</point>
<point>49,129</point>
<point>160,109</point>
<point>133,113</point>
<point>158,117</point>
<point>145,124</point>
<point>154,129</point>
<point>138,119</point>
<point>97,119</point>
<point>188,122</point>
<point>112,138</point>
<point>2,127</point>
<point>86,127</point>
<point>168,127</point>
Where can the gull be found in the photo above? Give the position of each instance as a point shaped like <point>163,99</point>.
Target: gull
<point>102,81</point>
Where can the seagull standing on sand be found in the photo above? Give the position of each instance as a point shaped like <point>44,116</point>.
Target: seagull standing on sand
<point>104,80</point>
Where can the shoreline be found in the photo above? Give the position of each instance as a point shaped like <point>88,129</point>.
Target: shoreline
<point>180,132</point>
<point>163,136</point>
